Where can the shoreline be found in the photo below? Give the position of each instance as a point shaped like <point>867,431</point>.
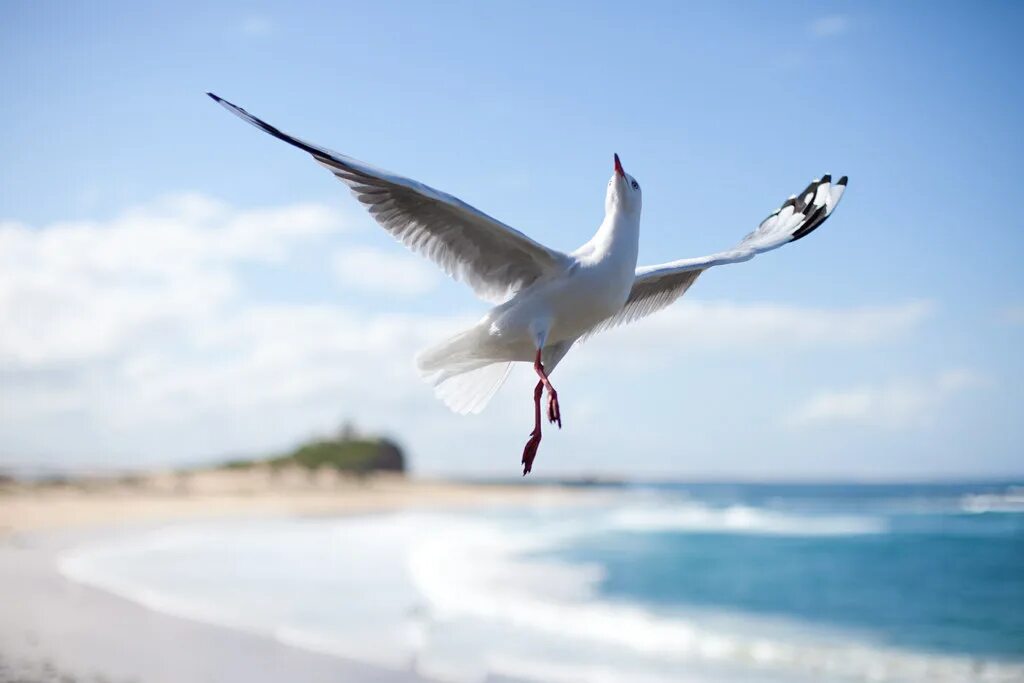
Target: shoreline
<point>212,494</point>
<point>61,623</point>
<point>55,629</point>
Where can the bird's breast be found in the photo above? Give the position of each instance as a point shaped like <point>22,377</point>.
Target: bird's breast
<point>587,297</point>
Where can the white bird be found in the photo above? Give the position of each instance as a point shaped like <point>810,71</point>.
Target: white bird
<point>546,300</point>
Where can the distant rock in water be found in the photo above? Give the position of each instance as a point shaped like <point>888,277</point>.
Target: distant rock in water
<point>346,452</point>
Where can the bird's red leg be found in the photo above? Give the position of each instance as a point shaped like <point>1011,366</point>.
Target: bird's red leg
<point>530,452</point>
<point>554,411</point>
<point>554,414</point>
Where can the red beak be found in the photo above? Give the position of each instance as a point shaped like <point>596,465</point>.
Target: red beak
<point>618,167</point>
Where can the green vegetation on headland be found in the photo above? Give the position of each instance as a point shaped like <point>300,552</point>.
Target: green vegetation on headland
<point>346,452</point>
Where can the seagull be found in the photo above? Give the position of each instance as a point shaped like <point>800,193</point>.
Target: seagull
<point>545,300</point>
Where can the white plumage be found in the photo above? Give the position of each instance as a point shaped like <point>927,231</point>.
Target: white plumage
<point>546,299</point>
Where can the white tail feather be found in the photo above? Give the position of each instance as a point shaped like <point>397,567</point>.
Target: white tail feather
<point>463,379</point>
<point>470,392</point>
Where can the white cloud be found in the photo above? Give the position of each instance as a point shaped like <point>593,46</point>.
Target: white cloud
<point>898,404</point>
<point>81,290</point>
<point>832,25</point>
<point>137,336</point>
<point>376,270</point>
<point>755,330</point>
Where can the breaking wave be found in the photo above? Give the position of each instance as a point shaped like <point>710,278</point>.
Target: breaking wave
<point>741,519</point>
<point>632,642</point>
<point>1012,500</point>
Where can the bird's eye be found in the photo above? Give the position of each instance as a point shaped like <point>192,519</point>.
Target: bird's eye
<point>636,185</point>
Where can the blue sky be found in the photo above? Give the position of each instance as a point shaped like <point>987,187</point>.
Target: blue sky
<point>178,286</point>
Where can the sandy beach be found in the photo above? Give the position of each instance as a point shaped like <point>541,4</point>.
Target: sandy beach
<point>83,503</point>
<point>52,629</point>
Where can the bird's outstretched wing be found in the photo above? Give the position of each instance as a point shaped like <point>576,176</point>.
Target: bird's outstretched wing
<point>655,287</point>
<point>491,257</point>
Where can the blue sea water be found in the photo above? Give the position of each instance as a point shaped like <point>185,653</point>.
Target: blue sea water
<point>646,583</point>
<point>932,568</point>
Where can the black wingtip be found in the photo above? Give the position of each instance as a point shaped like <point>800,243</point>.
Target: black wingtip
<point>812,223</point>
<point>842,181</point>
<point>267,128</point>
<point>827,178</point>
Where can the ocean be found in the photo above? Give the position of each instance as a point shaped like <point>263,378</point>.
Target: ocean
<point>759,583</point>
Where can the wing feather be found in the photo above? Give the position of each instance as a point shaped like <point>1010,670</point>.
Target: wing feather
<point>470,246</point>
<point>656,287</point>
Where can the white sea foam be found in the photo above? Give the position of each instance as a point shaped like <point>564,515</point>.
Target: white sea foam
<point>459,598</point>
<point>741,519</point>
<point>480,574</point>
<point>1012,500</point>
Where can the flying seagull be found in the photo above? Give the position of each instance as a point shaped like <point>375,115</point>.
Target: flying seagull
<point>546,300</point>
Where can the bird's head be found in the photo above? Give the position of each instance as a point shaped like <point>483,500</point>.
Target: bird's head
<point>624,195</point>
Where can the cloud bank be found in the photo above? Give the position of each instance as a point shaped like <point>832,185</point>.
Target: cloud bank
<point>893,405</point>
<point>141,338</point>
